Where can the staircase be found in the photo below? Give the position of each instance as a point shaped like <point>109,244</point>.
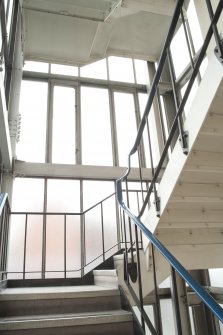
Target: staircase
<point>86,309</point>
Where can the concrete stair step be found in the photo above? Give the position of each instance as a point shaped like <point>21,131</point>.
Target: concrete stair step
<point>53,300</point>
<point>106,322</point>
<point>106,278</point>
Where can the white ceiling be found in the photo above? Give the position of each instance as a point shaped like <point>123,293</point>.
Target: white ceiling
<point>82,31</point>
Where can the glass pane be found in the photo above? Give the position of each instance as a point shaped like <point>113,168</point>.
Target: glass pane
<point>121,69</point>
<point>179,51</point>
<point>34,246</point>
<point>36,66</point>
<point>194,26</point>
<point>63,196</point>
<point>141,70</point>
<point>96,128</point>
<point>95,191</point>
<point>216,277</point>
<point>63,142</point>
<point>55,246</point>
<point>73,247</point>
<point>110,225</point>
<point>126,126</point>
<point>150,130</point>
<point>9,16</point>
<point>95,70</point>
<point>167,316</point>
<point>33,110</point>
<point>16,246</point>
<point>22,189</point>
<point>64,69</point>
<point>93,237</point>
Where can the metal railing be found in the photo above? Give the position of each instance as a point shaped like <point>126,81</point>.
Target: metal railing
<point>97,234</point>
<point>132,268</point>
<point>4,233</point>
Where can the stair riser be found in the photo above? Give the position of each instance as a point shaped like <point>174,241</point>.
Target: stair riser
<point>124,328</point>
<point>58,306</point>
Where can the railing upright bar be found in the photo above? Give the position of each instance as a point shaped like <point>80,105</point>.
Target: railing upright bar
<point>44,246</point>
<point>214,27</point>
<point>139,276</point>
<point>156,198</point>
<point>187,38</point>
<point>158,317</point>
<point>102,232</point>
<point>24,251</point>
<point>82,244</point>
<point>130,223</point>
<point>182,133</point>
<point>126,249</point>
<point>7,238</point>
<point>65,246</point>
<point>2,221</point>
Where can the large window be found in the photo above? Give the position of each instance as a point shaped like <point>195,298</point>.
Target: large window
<point>88,121</point>
<point>96,127</point>
<point>64,129</point>
<point>33,109</point>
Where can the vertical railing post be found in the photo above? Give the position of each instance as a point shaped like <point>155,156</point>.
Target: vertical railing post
<point>65,246</point>
<point>139,277</point>
<point>102,231</point>
<point>83,244</point>
<point>158,318</point>
<point>24,251</point>
<point>219,48</point>
<point>43,272</point>
<point>182,133</point>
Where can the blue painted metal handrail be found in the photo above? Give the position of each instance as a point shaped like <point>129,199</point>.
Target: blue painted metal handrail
<point>3,199</point>
<point>204,296</point>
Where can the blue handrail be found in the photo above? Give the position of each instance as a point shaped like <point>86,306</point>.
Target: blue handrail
<point>204,296</point>
<point>3,199</point>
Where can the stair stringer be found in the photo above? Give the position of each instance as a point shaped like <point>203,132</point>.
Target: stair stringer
<point>201,106</point>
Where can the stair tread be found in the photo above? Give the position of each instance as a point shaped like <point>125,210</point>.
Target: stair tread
<point>59,320</point>
<point>29,293</point>
<point>111,273</point>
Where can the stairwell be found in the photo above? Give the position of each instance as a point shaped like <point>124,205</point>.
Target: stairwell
<point>81,309</point>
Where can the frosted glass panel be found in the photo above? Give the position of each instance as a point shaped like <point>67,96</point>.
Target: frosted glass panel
<point>73,248</point>
<point>179,51</point>
<point>93,235</point>
<point>216,277</point>
<point>16,246</point>
<point>194,26</point>
<point>63,142</point>
<point>152,130</point>
<point>63,195</point>
<point>126,126</point>
<point>96,128</point>
<point>55,246</point>
<point>34,245</point>
<point>121,69</point>
<point>33,109</point>
<point>95,70</point>
<point>141,70</point>
<point>28,195</point>
<point>110,224</point>
<point>167,317</point>
<point>95,191</point>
